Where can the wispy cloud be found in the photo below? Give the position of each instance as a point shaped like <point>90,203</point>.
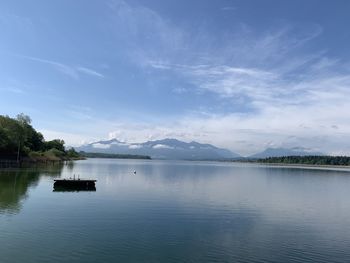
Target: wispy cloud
<point>67,70</point>
<point>306,107</point>
<point>145,32</point>
<point>71,71</point>
<point>276,87</point>
<point>80,113</point>
<point>90,72</point>
<point>289,91</point>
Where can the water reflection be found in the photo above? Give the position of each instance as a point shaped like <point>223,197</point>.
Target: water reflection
<point>74,189</point>
<point>15,183</point>
<point>178,212</point>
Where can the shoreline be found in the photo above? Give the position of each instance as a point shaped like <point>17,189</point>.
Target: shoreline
<point>300,165</point>
<point>6,163</point>
<point>50,161</point>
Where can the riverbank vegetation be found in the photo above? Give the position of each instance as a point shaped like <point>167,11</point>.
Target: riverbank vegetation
<point>20,141</point>
<point>309,160</point>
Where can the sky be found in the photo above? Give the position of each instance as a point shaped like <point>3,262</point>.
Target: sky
<point>243,75</point>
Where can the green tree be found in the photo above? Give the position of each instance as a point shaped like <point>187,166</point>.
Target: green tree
<point>23,119</point>
<point>55,144</point>
<point>72,153</point>
<point>14,135</point>
<point>18,138</point>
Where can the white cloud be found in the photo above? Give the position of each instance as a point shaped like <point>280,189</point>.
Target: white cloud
<point>242,133</point>
<point>135,146</point>
<point>282,95</point>
<point>162,146</point>
<point>101,146</point>
<point>278,91</point>
<point>71,139</point>
<point>308,110</point>
<point>311,127</point>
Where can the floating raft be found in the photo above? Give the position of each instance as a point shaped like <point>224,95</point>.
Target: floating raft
<point>74,185</point>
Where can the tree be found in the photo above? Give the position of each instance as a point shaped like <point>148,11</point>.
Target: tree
<point>55,144</point>
<point>4,140</point>
<point>72,153</point>
<point>23,119</point>
<point>18,136</point>
<point>22,134</point>
<point>14,132</point>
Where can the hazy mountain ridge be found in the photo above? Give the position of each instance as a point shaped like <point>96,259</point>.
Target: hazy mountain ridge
<point>161,149</point>
<point>279,152</point>
<point>175,149</point>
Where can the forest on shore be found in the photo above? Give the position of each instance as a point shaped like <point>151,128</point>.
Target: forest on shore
<point>310,160</point>
<point>20,141</point>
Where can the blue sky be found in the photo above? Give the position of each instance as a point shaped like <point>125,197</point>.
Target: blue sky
<point>244,75</point>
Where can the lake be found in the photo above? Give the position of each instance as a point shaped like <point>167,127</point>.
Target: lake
<point>175,211</point>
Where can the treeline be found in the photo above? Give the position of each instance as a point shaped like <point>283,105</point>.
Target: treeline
<point>19,140</point>
<point>113,156</point>
<point>313,160</point>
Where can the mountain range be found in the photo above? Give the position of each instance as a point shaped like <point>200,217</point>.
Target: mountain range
<point>161,149</point>
<point>176,149</point>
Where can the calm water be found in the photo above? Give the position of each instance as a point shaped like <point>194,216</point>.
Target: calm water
<point>176,212</point>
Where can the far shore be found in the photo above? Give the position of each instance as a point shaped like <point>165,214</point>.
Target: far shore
<point>300,165</point>
<point>44,160</point>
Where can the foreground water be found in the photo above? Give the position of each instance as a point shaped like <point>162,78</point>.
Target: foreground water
<point>175,212</point>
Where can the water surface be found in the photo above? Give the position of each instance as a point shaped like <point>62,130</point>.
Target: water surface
<point>175,211</point>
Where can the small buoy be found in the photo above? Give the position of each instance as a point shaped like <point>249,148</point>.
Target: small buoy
<point>134,172</point>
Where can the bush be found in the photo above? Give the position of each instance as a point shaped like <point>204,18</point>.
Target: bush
<point>35,154</point>
<point>54,155</point>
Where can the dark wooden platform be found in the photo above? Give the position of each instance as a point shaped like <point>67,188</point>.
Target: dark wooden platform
<point>74,185</point>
